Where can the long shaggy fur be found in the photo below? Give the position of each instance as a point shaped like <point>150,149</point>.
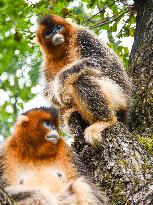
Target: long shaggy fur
<point>82,74</point>
<point>36,170</point>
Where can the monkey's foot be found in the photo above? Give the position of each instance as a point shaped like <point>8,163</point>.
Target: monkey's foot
<point>93,132</point>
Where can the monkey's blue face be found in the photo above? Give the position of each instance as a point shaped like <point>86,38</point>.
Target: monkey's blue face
<point>52,135</point>
<point>52,31</point>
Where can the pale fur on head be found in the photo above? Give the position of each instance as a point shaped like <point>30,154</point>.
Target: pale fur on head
<point>21,119</point>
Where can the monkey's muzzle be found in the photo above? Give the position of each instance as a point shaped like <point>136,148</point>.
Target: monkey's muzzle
<point>58,39</point>
<point>53,137</point>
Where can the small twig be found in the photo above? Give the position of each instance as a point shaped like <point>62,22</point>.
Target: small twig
<point>110,20</point>
<point>88,19</point>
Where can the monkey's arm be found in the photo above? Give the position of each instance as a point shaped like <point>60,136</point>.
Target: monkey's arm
<point>60,86</point>
<point>4,196</point>
<point>81,192</point>
<point>88,193</point>
<point>24,195</point>
<point>5,199</point>
<point>3,182</point>
<point>88,66</point>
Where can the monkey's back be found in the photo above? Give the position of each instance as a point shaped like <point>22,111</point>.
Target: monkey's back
<point>102,58</point>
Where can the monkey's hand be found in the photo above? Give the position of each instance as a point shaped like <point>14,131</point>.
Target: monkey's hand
<point>87,193</point>
<point>25,195</point>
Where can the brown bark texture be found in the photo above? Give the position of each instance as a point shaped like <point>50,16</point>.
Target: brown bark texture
<point>141,69</point>
<point>119,164</point>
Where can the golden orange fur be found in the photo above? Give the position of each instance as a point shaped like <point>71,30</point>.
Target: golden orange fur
<point>57,57</point>
<point>39,170</point>
<point>31,133</point>
<point>29,153</point>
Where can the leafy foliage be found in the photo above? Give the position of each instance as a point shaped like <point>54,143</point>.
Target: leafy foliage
<point>20,58</point>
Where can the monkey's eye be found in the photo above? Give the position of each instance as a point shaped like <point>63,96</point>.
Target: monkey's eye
<point>48,34</point>
<point>49,125</point>
<point>57,28</point>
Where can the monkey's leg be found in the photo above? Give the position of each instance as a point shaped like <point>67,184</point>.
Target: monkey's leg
<point>94,106</point>
<point>93,132</point>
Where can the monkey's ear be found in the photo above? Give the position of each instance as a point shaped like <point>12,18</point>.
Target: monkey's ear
<point>22,119</point>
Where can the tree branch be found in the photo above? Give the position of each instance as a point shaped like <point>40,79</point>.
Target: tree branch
<point>88,19</point>
<point>119,164</point>
<point>111,19</point>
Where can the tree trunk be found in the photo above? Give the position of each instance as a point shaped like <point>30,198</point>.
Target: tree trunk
<point>120,165</point>
<point>141,69</point>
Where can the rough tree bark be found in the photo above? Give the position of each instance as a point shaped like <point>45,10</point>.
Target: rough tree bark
<point>120,165</point>
<point>141,69</point>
